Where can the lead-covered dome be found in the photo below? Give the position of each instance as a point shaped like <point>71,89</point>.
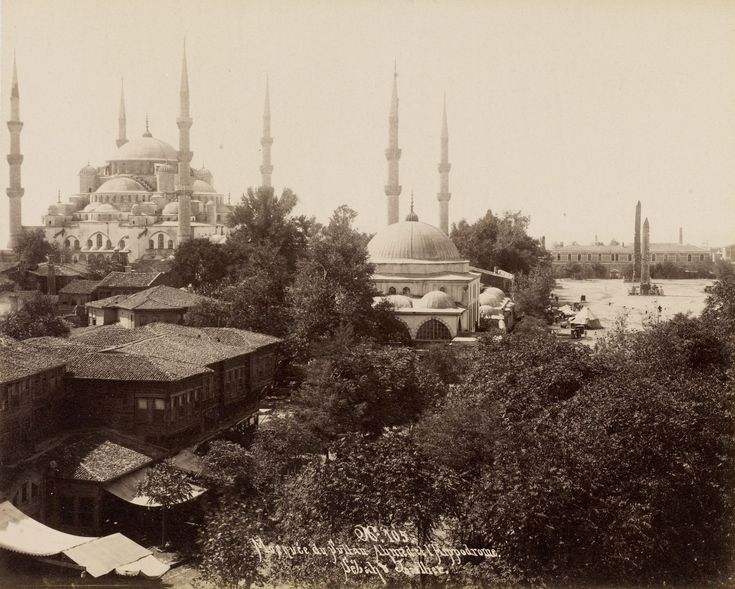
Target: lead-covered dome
<point>437,299</point>
<point>398,301</point>
<point>145,148</point>
<point>121,184</point>
<point>491,296</point>
<point>412,240</point>
<point>171,208</point>
<point>202,187</point>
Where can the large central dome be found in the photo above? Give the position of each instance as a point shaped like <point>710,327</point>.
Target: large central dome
<point>412,240</point>
<point>146,148</point>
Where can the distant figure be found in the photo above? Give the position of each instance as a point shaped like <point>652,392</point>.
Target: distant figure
<point>659,309</point>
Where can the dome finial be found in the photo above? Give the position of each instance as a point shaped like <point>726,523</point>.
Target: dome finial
<point>147,129</point>
<point>412,216</point>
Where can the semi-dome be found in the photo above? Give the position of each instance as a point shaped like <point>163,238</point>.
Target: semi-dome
<point>105,208</point>
<point>145,148</point>
<point>171,208</point>
<point>90,207</point>
<point>412,240</point>
<point>491,296</point>
<point>88,171</point>
<point>399,301</point>
<point>437,299</point>
<point>121,184</point>
<point>201,186</point>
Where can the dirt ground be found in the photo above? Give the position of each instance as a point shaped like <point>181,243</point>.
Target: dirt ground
<point>609,300</point>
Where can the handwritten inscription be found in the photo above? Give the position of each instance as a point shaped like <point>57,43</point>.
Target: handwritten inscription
<point>381,551</point>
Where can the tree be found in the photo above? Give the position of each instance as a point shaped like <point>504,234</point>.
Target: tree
<point>32,247</point>
<point>168,486</point>
<point>531,291</point>
<point>36,318</point>
<point>228,464</point>
<point>200,262</point>
<point>500,242</point>
<point>99,267</point>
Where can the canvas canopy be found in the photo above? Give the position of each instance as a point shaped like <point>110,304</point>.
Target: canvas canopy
<point>126,488</point>
<point>587,318</point>
<point>98,556</point>
<point>567,310</point>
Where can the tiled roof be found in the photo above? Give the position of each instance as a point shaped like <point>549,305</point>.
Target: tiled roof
<point>59,270</point>
<point>108,302</point>
<point>100,457</point>
<point>80,287</point>
<point>109,336</point>
<point>154,298</point>
<point>20,361</point>
<point>182,349</point>
<point>129,367</point>
<point>240,337</point>
<point>128,279</point>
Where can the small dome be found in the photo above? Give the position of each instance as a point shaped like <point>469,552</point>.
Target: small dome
<point>412,240</point>
<point>90,207</point>
<point>437,299</point>
<point>105,208</point>
<point>145,148</point>
<point>491,296</point>
<point>88,171</point>
<point>399,301</point>
<point>171,208</point>
<point>211,204</point>
<point>204,174</point>
<point>200,186</point>
<point>53,210</point>
<point>121,184</point>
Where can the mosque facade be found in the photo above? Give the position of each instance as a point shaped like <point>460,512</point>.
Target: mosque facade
<point>143,202</point>
<point>418,269</point>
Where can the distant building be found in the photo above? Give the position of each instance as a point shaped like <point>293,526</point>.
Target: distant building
<point>126,283</point>
<point>157,304</point>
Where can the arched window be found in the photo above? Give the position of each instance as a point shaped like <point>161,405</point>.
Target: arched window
<point>689,257</point>
<point>653,257</point>
<point>433,330</point>
<point>99,240</point>
<point>442,289</point>
<point>406,291</point>
<point>150,244</point>
<point>170,244</point>
<point>160,241</point>
<point>392,290</point>
<point>76,244</point>
<point>121,245</point>
<point>108,245</point>
<point>89,244</point>
<point>67,244</point>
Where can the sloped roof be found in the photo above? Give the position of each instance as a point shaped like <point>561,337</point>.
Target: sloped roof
<point>80,287</point>
<point>60,270</point>
<point>155,298</point>
<point>20,361</point>
<point>109,302</point>
<point>109,336</point>
<point>128,279</point>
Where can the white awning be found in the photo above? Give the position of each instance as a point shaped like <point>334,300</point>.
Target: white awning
<point>98,556</point>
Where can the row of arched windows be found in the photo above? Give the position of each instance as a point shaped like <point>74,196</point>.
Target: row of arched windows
<point>159,243</point>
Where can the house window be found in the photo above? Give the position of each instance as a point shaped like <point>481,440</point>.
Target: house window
<point>159,410</point>
<point>558,257</point>
<point>579,257</point>
<point>630,257</point>
<point>589,257</point>
<point>392,290</point>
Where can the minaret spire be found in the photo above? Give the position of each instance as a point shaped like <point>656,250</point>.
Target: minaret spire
<point>412,216</point>
<point>266,167</point>
<point>183,189</point>
<point>15,159</point>
<point>122,122</point>
<point>444,166</point>
<point>393,155</point>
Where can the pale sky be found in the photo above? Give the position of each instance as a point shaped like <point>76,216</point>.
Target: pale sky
<point>569,111</point>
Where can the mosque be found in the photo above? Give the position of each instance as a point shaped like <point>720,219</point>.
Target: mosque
<point>142,202</point>
<point>419,270</point>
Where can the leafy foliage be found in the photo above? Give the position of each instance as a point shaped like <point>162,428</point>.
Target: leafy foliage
<point>199,262</point>
<point>32,247</point>
<point>36,318</point>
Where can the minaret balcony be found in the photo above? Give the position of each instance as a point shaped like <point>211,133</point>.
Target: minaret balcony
<point>444,167</point>
<point>392,154</point>
<point>392,190</point>
<point>15,159</point>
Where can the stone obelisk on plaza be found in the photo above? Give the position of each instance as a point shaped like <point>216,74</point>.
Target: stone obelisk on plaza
<point>637,244</point>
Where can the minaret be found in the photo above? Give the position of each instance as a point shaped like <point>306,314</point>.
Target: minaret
<point>266,168</point>
<point>15,159</point>
<point>393,154</point>
<point>645,262</point>
<point>183,189</point>
<point>412,216</point>
<point>681,236</point>
<point>637,243</point>
<point>122,123</point>
<point>444,166</point>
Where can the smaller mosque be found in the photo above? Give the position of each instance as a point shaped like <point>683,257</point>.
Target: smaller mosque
<point>143,202</point>
<point>419,270</point>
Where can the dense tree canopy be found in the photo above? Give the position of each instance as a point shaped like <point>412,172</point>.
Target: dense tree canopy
<point>36,318</point>
<point>32,247</point>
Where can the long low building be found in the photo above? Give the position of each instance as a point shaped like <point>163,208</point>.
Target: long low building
<point>617,258</point>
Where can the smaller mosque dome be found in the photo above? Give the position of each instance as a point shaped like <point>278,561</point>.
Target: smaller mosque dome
<point>105,208</point>
<point>91,207</point>
<point>88,171</point>
<point>200,186</point>
<point>53,210</point>
<point>399,301</point>
<point>121,184</point>
<point>412,240</point>
<point>204,174</point>
<point>436,299</point>
<point>171,208</point>
<point>491,296</point>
